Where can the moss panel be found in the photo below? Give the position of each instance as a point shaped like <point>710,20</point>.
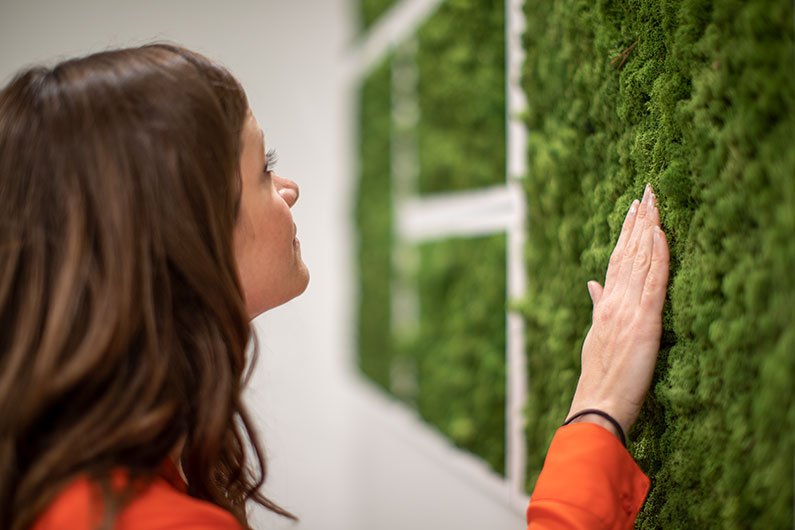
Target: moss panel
<point>461,92</point>
<point>371,10</point>
<point>703,107</point>
<point>374,219</point>
<point>460,347</point>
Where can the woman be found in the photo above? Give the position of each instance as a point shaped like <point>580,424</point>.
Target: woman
<point>141,227</point>
<point>137,206</point>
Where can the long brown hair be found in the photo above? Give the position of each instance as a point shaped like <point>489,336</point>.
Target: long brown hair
<point>122,322</point>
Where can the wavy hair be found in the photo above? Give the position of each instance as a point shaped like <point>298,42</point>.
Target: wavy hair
<point>124,328</point>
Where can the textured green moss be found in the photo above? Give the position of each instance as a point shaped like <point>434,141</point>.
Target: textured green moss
<point>461,59</point>
<point>704,108</point>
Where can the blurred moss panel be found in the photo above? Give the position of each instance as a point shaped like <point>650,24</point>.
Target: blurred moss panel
<point>450,365</point>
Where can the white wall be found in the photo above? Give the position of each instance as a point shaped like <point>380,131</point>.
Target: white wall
<point>341,455</point>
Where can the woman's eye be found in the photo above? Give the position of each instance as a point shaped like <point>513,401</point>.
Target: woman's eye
<point>270,160</point>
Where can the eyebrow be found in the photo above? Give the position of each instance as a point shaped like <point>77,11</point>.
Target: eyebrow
<point>264,155</point>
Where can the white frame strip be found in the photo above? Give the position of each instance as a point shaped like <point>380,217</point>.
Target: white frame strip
<point>516,168</point>
<point>483,211</point>
<point>391,29</point>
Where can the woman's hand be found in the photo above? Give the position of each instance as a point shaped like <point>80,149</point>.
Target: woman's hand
<point>620,351</point>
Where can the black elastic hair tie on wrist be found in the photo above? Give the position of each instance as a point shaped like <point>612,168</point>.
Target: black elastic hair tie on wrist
<point>606,416</point>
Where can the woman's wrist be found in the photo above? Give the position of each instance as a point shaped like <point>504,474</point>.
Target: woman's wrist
<point>585,401</point>
<point>598,420</point>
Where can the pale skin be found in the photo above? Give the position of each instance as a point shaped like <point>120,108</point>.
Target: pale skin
<point>267,251</point>
<point>620,350</point>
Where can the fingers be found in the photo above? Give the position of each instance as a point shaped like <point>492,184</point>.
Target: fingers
<point>595,290</point>
<point>639,257</point>
<point>620,265</point>
<point>637,265</point>
<point>653,296</point>
<point>618,253</point>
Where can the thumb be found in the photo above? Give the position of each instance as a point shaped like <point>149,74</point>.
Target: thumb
<point>595,290</point>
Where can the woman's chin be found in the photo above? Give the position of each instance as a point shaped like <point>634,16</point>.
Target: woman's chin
<point>299,287</point>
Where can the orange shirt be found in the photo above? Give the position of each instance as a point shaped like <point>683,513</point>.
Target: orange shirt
<point>589,480</point>
<point>164,504</point>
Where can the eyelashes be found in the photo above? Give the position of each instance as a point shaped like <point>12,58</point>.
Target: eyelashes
<point>270,160</point>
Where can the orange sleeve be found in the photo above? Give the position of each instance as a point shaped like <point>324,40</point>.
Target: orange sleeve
<point>589,480</point>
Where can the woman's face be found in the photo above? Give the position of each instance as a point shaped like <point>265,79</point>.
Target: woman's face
<point>267,252</point>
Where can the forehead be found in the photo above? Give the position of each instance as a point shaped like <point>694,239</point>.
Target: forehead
<point>251,130</point>
<point>253,137</point>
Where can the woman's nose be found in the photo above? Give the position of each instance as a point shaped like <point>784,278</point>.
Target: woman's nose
<point>287,189</point>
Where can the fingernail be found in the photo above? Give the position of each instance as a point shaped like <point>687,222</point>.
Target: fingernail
<point>657,234</point>
<point>634,208</point>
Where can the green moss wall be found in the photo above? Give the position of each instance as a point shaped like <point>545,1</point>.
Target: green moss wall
<point>696,97</point>
<point>450,365</point>
<point>702,108</point>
